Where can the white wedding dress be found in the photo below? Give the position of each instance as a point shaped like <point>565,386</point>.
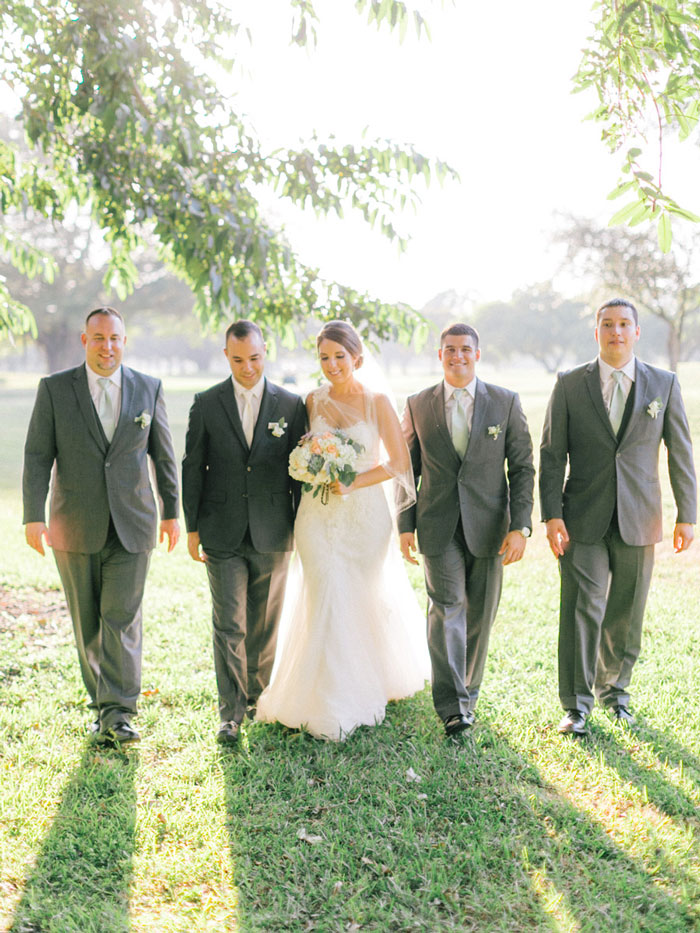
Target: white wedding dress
<point>354,637</point>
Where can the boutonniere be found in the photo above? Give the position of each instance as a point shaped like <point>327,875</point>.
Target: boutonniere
<point>277,427</point>
<point>494,430</point>
<point>654,408</point>
<point>143,420</point>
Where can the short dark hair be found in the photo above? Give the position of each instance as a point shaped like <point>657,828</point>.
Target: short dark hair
<point>617,303</point>
<point>105,309</point>
<point>460,330</point>
<point>242,329</point>
<point>343,333</point>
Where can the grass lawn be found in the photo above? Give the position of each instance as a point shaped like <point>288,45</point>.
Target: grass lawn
<point>394,830</point>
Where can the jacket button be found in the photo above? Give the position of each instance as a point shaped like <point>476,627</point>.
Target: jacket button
<point>108,464</point>
<point>249,469</point>
<point>245,495</point>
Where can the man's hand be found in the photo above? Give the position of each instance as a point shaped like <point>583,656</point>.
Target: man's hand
<point>407,543</point>
<point>194,549</point>
<point>513,547</point>
<point>683,535</point>
<point>558,536</point>
<point>171,528</point>
<point>34,532</point>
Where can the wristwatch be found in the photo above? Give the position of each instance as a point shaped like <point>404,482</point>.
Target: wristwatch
<point>525,532</point>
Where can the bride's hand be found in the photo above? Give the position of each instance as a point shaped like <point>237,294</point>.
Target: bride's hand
<point>338,489</point>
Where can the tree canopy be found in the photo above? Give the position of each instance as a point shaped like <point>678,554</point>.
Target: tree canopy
<point>643,59</point>
<point>537,322</point>
<point>628,262</point>
<point>118,99</point>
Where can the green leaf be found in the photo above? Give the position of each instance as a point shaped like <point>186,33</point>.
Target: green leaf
<point>664,233</point>
<point>616,192</point>
<point>624,214</point>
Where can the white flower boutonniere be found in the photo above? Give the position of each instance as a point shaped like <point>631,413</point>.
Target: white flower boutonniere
<point>277,427</point>
<point>143,420</point>
<point>494,430</point>
<point>654,408</point>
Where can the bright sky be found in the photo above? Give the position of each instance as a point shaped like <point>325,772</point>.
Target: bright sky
<point>490,94</point>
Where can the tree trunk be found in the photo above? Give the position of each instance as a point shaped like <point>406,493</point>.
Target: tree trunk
<point>62,351</point>
<point>673,345</point>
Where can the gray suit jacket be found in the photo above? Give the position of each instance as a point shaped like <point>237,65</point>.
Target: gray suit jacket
<point>228,487</point>
<point>91,478</point>
<point>605,473</point>
<point>489,500</point>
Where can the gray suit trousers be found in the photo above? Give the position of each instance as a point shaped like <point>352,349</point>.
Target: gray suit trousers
<point>104,592</point>
<point>463,596</point>
<point>247,591</point>
<point>604,588</point>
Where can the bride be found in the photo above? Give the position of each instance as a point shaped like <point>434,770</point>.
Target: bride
<point>356,637</point>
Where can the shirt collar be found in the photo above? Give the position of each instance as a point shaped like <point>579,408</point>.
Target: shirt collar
<point>115,378</point>
<point>606,370</point>
<point>256,392</point>
<point>449,389</point>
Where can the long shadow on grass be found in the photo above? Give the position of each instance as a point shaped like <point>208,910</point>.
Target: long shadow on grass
<point>665,796</point>
<point>666,747</point>
<point>81,880</point>
<point>396,830</point>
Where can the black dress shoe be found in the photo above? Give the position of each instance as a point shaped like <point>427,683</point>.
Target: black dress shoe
<point>119,733</point>
<point>94,727</point>
<point>623,715</point>
<point>228,733</point>
<point>460,722</point>
<point>574,723</point>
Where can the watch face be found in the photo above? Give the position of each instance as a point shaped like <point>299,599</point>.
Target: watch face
<point>525,532</point>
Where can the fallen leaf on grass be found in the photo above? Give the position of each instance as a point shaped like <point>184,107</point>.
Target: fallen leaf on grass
<point>308,837</point>
<point>412,776</point>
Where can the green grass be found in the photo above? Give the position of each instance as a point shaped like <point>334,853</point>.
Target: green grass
<point>519,830</point>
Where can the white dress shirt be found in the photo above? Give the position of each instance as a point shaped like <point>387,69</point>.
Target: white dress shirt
<point>255,395</point>
<point>114,388</point>
<point>467,402</point>
<point>607,383</point>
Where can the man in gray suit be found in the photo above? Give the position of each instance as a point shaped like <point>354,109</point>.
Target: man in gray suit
<point>96,427</point>
<point>471,516</point>
<point>239,504</point>
<point>600,496</point>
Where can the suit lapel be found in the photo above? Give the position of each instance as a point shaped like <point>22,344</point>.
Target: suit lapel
<point>227,397</point>
<point>437,404</point>
<point>641,381</point>
<point>596,396</point>
<point>269,411</point>
<point>481,403</point>
<point>127,395</point>
<point>82,392</point>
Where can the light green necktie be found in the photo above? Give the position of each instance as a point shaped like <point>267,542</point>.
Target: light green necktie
<point>460,428</point>
<point>105,408</point>
<point>247,419</point>
<point>617,401</point>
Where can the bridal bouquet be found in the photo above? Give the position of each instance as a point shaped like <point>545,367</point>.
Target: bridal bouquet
<point>320,459</point>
